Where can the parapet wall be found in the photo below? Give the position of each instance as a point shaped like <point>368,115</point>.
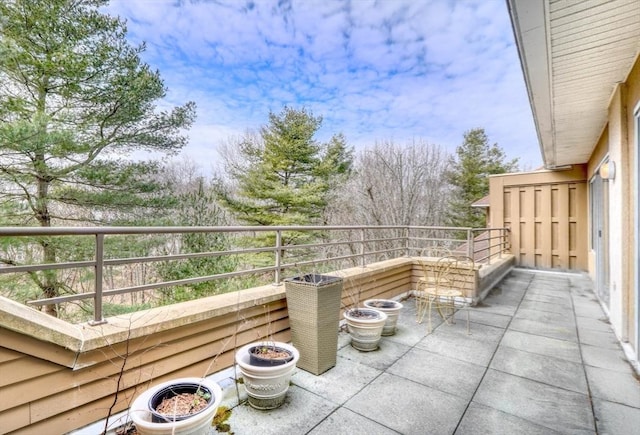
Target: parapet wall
<point>57,377</point>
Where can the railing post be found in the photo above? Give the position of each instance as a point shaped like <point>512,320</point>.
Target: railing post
<point>278,256</point>
<point>470,243</point>
<point>362,250</point>
<point>98,319</point>
<point>406,241</point>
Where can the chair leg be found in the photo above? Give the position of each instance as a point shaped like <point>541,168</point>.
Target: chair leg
<point>446,308</point>
<point>468,327</point>
<point>429,314</point>
<point>419,309</point>
<point>421,305</point>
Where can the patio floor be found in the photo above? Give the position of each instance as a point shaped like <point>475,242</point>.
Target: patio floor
<point>541,359</point>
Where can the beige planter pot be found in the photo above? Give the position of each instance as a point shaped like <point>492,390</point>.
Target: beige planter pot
<point>391,308</point>
<point>365,327</point>
<point>266,386</point>
<point>194,425</point>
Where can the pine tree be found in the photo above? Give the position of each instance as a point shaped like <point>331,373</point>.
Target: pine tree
<point>75,98</point>
<point>471,166</point>
<point>285,175</point>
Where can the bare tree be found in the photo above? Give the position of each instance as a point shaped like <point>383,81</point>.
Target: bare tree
<point>394,185</point>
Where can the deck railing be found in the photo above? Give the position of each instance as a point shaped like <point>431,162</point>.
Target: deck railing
<point>331,247</point>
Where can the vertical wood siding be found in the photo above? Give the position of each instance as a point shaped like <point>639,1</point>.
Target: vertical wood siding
<point>547,215</point>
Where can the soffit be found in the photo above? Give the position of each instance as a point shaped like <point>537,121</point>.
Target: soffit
<point>573,54</point>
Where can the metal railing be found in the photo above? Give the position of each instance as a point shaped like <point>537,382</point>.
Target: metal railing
<point>332,246</point>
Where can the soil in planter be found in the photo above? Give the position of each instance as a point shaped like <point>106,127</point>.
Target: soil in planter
<point>269,355</point>
<point>382,304</point>
<point>362,314</point>
<point>182,404</point>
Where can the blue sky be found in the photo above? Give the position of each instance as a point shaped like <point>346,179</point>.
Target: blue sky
<point>380,70</point>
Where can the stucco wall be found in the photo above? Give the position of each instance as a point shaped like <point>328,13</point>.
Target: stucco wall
<point>621,148</point>
<point>618,144</point>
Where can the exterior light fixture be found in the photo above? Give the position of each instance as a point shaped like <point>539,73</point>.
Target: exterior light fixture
<point>608,170</point>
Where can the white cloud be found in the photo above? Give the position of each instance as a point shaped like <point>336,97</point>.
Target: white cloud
<point>375,70</point>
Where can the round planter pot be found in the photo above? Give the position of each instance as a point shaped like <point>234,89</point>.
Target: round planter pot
<point>147,424</point>
<point>391,308</point>
<point>266,386</point>
<point>365,327</point>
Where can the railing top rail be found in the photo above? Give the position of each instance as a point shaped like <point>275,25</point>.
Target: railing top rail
<point>372,245</point>
<point>74,231</point>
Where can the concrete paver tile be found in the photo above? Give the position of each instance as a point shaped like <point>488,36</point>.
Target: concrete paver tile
<point>440,372</point>
<point>607,359</point>
<point>561,332</point>
<point>614,386</point>
<point>478,315</point>
<point>478,331</point>
<point>587,308</point>
<point>408,331</point>
<point>556,298</point>
<point>463,347</point>
<point>408,407</point>
<point>346,422</point>
<point>558,409</point>
<point>548,370</point>
<point>339,383</point>
<point>593,323</point>
<point>553,347</point>
<point>535,304</point>
<point>480,419</point>
<point>601,339</point>
<point>387,353</point>
<point>551,318</point>
<point>309,410</point>
<point>496,306</point>
<point>615,419</point>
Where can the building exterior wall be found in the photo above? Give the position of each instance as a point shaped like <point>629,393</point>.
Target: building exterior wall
<point>618,144</point>
<point>546,212</point>
<point>630,191</point>
<point>618,211</point>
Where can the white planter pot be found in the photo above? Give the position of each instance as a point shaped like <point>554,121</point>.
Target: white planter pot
<point>391,308</point>
<point>365,332</point>
<point>194,425</point>
<point>266,386</point>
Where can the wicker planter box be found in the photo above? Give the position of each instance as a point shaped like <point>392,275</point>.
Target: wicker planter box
<point>313,303</point>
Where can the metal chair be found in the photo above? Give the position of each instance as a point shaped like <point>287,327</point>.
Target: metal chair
<point>446,289</point>
<point>435,277</point>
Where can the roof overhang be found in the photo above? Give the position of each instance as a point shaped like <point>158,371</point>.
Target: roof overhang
<point>573,55</point>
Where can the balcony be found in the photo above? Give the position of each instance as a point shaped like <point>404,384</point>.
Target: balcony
<point>539,357</point>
